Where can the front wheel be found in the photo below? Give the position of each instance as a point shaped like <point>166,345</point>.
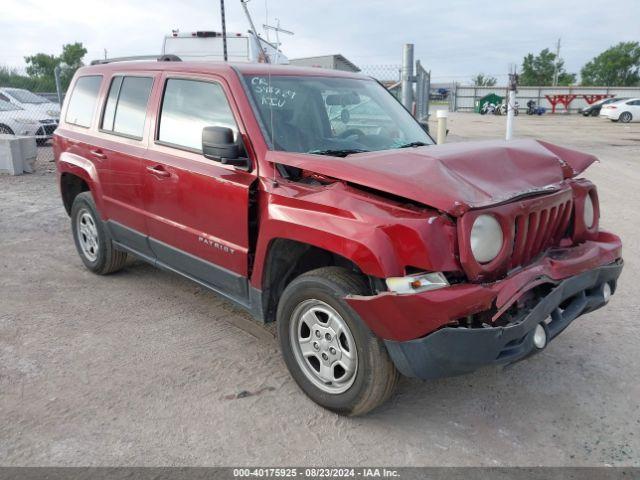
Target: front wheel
<point>330,352</point>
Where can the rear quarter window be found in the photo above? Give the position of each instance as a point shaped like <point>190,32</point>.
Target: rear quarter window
<point>126,108</point>
<point>83,100</point>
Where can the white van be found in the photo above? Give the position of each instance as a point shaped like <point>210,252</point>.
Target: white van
<point>205,45</point>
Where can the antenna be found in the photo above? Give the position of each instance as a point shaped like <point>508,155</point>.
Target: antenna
<point>276,29</point>
<point>224,31</point>
<point>253,30</point>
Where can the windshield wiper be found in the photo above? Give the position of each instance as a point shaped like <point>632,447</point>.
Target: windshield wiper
<point>338,152</point>
<point>413,144</point>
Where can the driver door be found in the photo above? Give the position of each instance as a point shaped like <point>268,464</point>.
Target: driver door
<point>197,209</point>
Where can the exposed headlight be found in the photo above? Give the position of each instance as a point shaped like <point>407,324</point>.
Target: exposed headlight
<point>53,113</point>
<point>417,283</point>
<point>589,212</point>
<point>486,238</point>
<point>26,121</point>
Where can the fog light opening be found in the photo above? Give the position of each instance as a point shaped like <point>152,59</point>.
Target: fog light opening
<point>606,292</point>
<point>540,336</point>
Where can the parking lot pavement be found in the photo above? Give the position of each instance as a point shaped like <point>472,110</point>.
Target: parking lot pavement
<point>145,368</point>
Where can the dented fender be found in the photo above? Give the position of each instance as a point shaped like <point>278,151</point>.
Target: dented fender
<point>381,237</point>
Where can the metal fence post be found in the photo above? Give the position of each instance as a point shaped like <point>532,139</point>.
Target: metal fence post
<point>427,89</point>
<point>56,74</point>
<point>418,93</point>
<point>407,76</point>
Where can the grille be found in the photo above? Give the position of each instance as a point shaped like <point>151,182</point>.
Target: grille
<point>537,230</point>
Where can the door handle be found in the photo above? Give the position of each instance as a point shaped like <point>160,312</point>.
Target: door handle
<point>158,171</point>
<point>98,154</point>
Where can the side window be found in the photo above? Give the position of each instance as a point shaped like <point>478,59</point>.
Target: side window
<point>83,100</point>
<point>190,105</point>
<point>4,97</point>
<point>126,107</point>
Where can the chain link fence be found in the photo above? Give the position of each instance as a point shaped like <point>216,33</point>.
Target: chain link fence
<point>29,107</point>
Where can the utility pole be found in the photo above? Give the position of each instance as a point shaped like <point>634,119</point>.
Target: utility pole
<point>224,31</point>
<point>407,76</point>
<point>512,89</point>
<point>555,67</point>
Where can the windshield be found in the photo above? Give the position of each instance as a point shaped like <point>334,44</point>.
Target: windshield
<point>8,107</point>
<point>331,115</point>
<point>25,96</point>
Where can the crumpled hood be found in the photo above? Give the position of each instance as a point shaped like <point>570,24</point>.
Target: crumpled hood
<point>453,177</point>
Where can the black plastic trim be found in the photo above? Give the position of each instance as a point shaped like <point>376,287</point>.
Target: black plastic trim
<point>456,351</point>
<point>230,285</point>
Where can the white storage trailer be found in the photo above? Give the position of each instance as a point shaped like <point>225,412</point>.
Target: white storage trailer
<point>207,46</point>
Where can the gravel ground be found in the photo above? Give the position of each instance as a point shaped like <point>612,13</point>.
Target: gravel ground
<point>145,368</point>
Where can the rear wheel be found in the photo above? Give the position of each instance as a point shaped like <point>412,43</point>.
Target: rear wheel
<point>93,242</point>
<point>330,352</point>
<point>5,130</point>
<point>625,117</point>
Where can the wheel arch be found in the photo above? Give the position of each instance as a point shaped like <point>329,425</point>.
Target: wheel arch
<point>76,175</point>
<point>287,259</point>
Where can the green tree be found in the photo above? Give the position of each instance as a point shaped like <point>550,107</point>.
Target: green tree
<point>71,60</point>
<point>41,66</point>
<point>538,70</point>
<point>618,66</point>
<point>482,80</point>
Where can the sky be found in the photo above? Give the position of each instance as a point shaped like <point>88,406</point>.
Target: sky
<point>455,39</point>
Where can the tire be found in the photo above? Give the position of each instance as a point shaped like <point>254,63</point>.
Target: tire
<point>5,130</point>
<point>625,117</point>
<point>93,242</point>
<point>320,294</point>
<point>595,113</point>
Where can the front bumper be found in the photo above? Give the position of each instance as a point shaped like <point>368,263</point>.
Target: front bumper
<point>456,351</point>
<point>422,330</point>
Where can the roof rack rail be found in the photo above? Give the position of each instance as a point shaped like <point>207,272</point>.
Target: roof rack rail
<point>162,58</point>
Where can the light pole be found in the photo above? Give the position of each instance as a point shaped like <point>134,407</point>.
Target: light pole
<point>511,103</point>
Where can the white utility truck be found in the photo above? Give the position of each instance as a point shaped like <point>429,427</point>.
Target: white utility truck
<point>207,46</point>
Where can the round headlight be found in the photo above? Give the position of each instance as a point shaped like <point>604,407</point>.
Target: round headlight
<point>486,238</point>
<point>588,213</point>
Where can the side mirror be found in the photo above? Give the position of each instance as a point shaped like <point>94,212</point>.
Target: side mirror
<point>218,145</point>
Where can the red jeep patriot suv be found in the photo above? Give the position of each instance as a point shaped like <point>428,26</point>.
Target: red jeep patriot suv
<point>312,198</point>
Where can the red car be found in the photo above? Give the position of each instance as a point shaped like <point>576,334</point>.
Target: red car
<point>375,251</point>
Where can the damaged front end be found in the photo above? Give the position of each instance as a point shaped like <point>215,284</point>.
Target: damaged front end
<point>523,251</point>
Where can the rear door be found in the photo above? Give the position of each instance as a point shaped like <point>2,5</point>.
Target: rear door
<point>122,143</point>
<point>197,209</point>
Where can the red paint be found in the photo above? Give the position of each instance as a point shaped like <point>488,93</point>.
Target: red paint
<point>453,177</point>
<point>591,99</point>
<point>405,317</point>
<point>564,100</point>
<point>386,211</point>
